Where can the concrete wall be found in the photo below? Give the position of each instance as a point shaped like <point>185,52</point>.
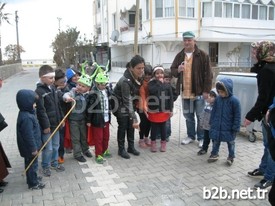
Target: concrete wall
<point>8,70</point>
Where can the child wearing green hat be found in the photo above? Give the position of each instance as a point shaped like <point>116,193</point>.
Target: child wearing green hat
<point>99,116</point>
<point>77,118</point>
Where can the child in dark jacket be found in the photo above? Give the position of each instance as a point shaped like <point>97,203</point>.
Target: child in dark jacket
<point>77,118</point>
<point>49,115</point>
<point>160,105</point>
<point>205,120</point>
<point>225,120</point>
<point>28,135</point>
<point>99,116</point>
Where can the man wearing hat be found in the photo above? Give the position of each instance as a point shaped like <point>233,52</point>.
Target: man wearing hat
<point>192,68</point>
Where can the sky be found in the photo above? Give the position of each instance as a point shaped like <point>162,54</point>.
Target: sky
<point>38,24</point>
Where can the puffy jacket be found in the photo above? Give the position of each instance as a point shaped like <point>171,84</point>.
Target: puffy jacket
<point>126,95</point>
<point>225,117</point>
<point>27,128</point>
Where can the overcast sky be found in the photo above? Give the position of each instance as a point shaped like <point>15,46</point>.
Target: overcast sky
<point>38,23</point>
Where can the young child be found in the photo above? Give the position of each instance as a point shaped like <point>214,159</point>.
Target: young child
<point>60,85</point>
<point>145,124</point>
<point>28,135</point>
<point>160,104</point>
<point>225,120</point>
<point>205,120</point>
<point>77,119</point>
<point>99,116</point>
<point>49,115</point>
<point>72,77</point>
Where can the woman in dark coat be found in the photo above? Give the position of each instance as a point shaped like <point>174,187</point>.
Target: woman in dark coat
<point>4,163</point>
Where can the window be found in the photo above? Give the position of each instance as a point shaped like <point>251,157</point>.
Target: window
<point>271,13</point>
<point>132,16</point>
<point>245,11</point>
<point>159,8</point>
<point>147,9</point>
<point>169,8</point>
<point>263,13</point>
<point>187,8</point>
<point>227,10</point>
<point>237,10</point>
<point>207,9</point>
<point>254,11</point>
<point>218,9</point>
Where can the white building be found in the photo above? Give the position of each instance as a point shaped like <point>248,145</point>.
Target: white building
<point>223,28</point>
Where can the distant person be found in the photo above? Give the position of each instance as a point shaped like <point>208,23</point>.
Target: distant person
<point>225,120</point>
<point>49,115</point>
<point>29,135</point>
<point>192,68</point>
<point>160,107</point>
<point>263,54</point>
<point>77,118</point>
<point>126,94</point>
<point>99,116</point>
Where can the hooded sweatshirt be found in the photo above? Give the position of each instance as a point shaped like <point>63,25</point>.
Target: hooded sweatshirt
<point>27,128</point>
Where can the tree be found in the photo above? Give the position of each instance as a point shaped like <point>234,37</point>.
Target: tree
<point>3,17</point>
<point>69,48</point>
<point>11,52</point>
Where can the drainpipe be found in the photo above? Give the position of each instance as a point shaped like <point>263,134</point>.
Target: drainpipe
<point>199,19</point>
<point>177,19</point>
<point>136,28</point>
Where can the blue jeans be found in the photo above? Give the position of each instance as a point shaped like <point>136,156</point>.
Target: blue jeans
<point>190,107</point>
<point>50,152</point>
<point>31,174</point>
<point>267,165</point>
<point>230,146</point>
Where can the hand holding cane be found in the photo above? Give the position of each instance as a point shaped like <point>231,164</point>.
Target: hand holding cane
<point>50,137</point>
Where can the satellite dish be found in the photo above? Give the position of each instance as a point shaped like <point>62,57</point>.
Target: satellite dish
<point>115,35</point>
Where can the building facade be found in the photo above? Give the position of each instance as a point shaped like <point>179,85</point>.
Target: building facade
<point>223,28</point>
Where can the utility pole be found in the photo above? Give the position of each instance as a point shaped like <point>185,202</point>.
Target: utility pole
<point>17,38</point>
<point>59,19</point>
<point>136,28</point>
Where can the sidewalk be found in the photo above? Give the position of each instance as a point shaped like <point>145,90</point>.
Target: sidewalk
<point>174,178</point>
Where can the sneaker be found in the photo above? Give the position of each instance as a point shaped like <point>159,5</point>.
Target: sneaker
<point>200,143</point>
<point>39,186</point>
<point>202,152</point>
<point>88,154</point>
<point>107,154</point>
<point>186,140</point>
<point>263,184</point>
<point>229,161</point>
<point>59,168</point>
<point>46,172</point>
<point>80,159</point>
<point>256,173</point>
<point>60,160</point>
<point>100,159</point>
<point>213,158</point>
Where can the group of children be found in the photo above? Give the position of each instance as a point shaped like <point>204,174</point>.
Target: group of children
<point>40,122</point>
<point>42,112</point>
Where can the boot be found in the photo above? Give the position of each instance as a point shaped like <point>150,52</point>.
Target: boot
<point>147,141</point>
<point>142,143</point>
<point>163,146</point>
<point>153,146</point>
<point>133,151</point>
<point>123,154</point>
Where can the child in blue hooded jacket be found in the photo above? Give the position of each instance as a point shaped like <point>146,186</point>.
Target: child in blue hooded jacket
<point>225,120</point>
<point>28,135</point>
